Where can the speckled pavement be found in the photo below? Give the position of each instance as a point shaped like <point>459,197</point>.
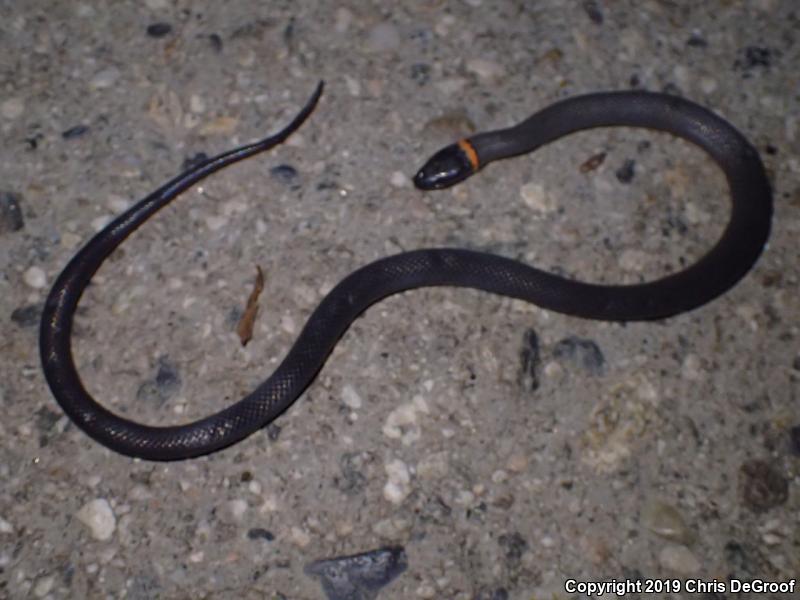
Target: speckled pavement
<point>505,449</point>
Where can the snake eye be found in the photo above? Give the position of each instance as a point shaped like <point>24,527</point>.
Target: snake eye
<point>445,168</point>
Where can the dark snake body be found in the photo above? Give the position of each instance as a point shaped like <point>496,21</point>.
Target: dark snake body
<point>726,263</point>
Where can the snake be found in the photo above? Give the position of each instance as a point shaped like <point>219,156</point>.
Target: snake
<point>729,259</point>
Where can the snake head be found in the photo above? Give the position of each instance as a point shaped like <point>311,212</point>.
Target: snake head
<point>447,167</point>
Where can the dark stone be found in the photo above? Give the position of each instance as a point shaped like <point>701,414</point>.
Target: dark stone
<point>273,432</point>
<point>10,213</point>
<point>165,384</point>
<point>582,352</point>
<point>421,73</point>
<point>626,172</point>
<point>27,316</point>
<point>286,174</point>
<point>190,162</point>
<point>216,42</point>
<point>593,11</point>
<point>259,533</point>
<point>359,576</point>
<point>794,440</point>
<point>696,41</point>
<point>75,132</point>
<point>352,480</point>
<point>529,359</point>
<point>514,546</point>
<point>762,486</point>
<point>159,30</point>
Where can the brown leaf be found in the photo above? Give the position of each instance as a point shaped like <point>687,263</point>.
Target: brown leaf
<point>248,320</point>
<point>593,162</point>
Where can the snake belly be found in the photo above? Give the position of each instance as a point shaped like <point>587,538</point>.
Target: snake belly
<point>726,263</point>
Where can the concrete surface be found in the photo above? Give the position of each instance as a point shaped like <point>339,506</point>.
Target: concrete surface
<point>505,448</point>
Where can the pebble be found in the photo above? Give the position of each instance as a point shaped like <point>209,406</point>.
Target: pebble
<point>398,487</point>
<point>351,398</point>
<point>12,108</point>
<point>159,30</point>
<point>486,70</point>
<point>679,559</point>
<point>99,222</point>
<point>358,576</point>
<point>10,213</point>
<point>104,79</point>
<point>35,277</point>
<point>402,423</point>
<point>216,222</point>
<point>5,526</point>
<point>692,368</point>
<point>383,37</point>
<point>44,586</point>
<point>398,179</point>
<point>99,518</point>
<point>762,486</point>
<point>343,20</point>
<point>300,537</point>
<point>433,467</point>
<point>535,198</point>
<point>583,352</point>
<point>666,521</point>
<point>633,259</point>
<point>237,508</point>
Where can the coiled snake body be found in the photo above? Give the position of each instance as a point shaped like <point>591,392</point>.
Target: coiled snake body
<point>717,271</point>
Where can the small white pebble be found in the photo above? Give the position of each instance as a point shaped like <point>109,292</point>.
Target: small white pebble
<point>117,204</point>
<point>215,223</point>
<point>35,277</point>
<point>351,398</point>
<point>197,557</point>
<point>5,526</point>
<point>692,368</point>
<point>300,538</point>
<point>70,240</point>
<point>12,108</point>
<point>485,69</point>
<point>499,476</point>
<point>708,85</point>
<point>237,508</point>
<point>517,463</point>
<point>105,78</point>
<point>288,324</point>
<point>398,179</point>
<point>44,586</point>
<point>99,222</point>
<point>353,86</point>
<point>679,559</point>
<point>553,370</point>
<point>535,198</point>
<point>633,259</point>
<point>197,104</point>
<point>398,487</point>
<point>99,518</point>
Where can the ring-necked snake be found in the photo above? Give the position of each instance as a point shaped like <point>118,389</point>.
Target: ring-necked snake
<point>726,263</point>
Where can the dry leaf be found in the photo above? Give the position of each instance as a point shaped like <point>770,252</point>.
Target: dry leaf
<point>248,320</point>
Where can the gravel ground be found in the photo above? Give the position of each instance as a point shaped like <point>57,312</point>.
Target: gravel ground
<point>474,447</point>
